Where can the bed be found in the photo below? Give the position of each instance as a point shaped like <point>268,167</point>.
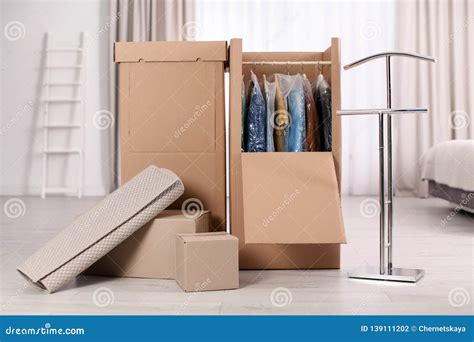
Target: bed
<point>449,169</point>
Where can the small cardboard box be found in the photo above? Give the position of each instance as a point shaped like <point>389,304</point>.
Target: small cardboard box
<point>208,261</point>
<point>150,252</point>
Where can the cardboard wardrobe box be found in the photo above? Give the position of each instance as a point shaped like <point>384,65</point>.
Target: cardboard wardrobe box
<point>207,261</point>
<point>150,251</point>
<point>171,109</point>
<point>285,208</point>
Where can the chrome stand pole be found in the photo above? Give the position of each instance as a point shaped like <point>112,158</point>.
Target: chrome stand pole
<point>382,192</point>
<point>389,167</point>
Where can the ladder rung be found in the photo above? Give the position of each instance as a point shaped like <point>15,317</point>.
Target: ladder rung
<point>59,66</point>
<point>62,126</point>
<point>62,152</point>
<point>57,84</point>
<point>64,50</point>
<point>65,99</point>
<point>59,190</point>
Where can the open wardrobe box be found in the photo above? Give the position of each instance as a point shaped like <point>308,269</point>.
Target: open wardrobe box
<point>285,207</point>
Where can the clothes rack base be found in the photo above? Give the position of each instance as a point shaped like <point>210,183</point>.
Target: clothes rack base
<point>394,274</point>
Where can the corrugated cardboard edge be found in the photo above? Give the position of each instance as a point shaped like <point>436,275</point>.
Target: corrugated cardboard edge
<point>189,217</point>
<point>208,234</point>
<point>180,255</point>
<point>170,51</point>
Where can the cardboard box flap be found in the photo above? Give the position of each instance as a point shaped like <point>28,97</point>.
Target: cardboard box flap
<point>291,198</point>
<point>175,214</point>
<point>170,51</point>
<point>206,236</point>
<point>108,215</point>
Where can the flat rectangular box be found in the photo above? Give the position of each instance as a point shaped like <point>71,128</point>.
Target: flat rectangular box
<point>150,252</point>
<point>171,109</point>
<point>207,261</point>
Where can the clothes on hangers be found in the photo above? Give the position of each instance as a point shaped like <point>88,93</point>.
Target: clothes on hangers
<point>256,119</point>
<point>269,90</point>
<point>312,127</point>
<point>296,107</point>
<point>323,105</point>
<point>244,108</point>
<point>280,119</point>
<point>287,116</point>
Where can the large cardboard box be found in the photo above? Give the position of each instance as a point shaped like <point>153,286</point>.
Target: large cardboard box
<point>208,261</point>
<point>171,109</point>
<point>150,252</point>
<point>285,208</point>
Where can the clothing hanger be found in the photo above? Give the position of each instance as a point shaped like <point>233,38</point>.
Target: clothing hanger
<point>320,76</point>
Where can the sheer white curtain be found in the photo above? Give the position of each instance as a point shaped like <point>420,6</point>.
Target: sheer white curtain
<point>444,29</point>
<point>365,27</point>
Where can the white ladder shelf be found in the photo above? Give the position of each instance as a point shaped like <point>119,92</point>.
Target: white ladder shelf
<point>78,83</point>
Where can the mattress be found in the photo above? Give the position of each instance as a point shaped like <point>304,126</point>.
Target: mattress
<point>99,230</point>
<point>463,199</point>
<point>450,163</point>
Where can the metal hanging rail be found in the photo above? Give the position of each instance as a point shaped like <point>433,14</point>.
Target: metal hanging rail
<point>388,55</point>
<point>386,271</point>
<point>381,111</point>
<point>288,62</point>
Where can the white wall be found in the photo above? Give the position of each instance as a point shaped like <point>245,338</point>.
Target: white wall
<point>22,76</point>
<point>365,27</point>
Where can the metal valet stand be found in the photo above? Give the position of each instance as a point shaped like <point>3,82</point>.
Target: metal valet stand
<point>386,271</point>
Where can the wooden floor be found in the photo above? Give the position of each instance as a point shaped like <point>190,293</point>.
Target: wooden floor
<point>422,240</point>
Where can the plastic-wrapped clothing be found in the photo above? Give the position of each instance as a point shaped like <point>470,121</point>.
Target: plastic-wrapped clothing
<point>297,129</point>
<point>242,135</point>
<point>312,127</point>
<point>256,120</point>
<point>280,119</point>
<point>292,87</point>
<point>269,90</point>
<point>323,105</point>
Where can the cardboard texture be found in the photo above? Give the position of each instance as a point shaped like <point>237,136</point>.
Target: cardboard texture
<point>171,108</point>
<point>285,208</point>
<point>206,262</point>
<point>96,232</point>
<point>150,251</point>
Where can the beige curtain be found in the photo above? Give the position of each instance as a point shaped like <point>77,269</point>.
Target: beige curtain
<point>445,30</point>
<point>143,20</point>
<point>149,20</point>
